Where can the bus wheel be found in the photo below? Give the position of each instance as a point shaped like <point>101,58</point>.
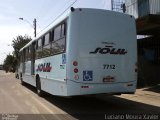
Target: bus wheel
<point>38,87</point>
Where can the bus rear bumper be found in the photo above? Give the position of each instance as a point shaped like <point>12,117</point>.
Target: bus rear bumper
<point>110,88</point>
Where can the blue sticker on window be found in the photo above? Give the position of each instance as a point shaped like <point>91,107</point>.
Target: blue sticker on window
<point>63,58</point>
<point>87,75</point>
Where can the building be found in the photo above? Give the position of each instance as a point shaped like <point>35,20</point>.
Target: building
<point>118,5</point>
<point>147,14</point>
<point>141,8</point>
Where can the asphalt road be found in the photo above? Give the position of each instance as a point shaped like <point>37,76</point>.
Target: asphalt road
<point>23,101</point>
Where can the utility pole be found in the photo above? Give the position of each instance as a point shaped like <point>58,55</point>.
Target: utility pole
<point>35,27</point>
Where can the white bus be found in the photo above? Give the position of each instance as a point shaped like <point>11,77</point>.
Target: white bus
<point>89,51</point>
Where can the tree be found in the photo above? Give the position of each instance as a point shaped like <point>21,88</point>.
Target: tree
<point>19,42</point>
<point>9,63</point>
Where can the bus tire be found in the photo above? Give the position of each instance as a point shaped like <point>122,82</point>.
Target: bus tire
<point>38,87</point>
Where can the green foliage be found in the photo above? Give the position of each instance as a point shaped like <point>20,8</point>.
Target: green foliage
<point>10,63</point>
<point>19,42</point>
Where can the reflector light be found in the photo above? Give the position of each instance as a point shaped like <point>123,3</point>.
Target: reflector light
<point>76,70</point>
<point>76,77</point>
<point>75,63</point>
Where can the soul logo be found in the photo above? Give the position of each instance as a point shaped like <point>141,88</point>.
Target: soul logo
<point>109,50</point>
<point>44,67</point>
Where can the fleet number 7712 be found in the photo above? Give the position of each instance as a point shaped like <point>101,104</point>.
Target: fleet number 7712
<point>108,66</point>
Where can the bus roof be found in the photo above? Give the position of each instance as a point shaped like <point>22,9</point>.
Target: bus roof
<point>63,17</point>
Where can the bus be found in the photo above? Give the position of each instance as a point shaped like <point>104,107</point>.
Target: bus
<point>86,52</point>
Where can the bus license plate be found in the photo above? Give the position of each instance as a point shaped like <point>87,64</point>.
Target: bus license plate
<point>109,79</point>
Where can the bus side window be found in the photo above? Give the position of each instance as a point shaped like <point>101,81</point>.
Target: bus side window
<point>43,40</point>
<point>63,30</point>
<point>52,35</point>
<point>39,49</point>
<point>36,44</point>
<point>39,43</point>
<point>46,45</point>
<point>26,55</point>
<point>57,33</point>
<point>47,38</point>
<point>58,44</point>
<point>29,53</point>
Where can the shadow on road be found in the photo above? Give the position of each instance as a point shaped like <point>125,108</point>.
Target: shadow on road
<point>82,107</point>
<point>154,89</point>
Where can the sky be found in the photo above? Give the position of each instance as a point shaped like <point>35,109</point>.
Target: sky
<point>45,11</point>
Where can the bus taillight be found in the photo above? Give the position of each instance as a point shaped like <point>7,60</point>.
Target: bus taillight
<point>75,63</point>
<point>76,70</point>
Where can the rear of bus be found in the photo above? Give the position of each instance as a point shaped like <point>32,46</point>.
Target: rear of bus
<point>101,52</point>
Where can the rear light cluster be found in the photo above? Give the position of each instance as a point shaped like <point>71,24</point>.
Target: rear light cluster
<point>75,63</point>
<point>75,70</point>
